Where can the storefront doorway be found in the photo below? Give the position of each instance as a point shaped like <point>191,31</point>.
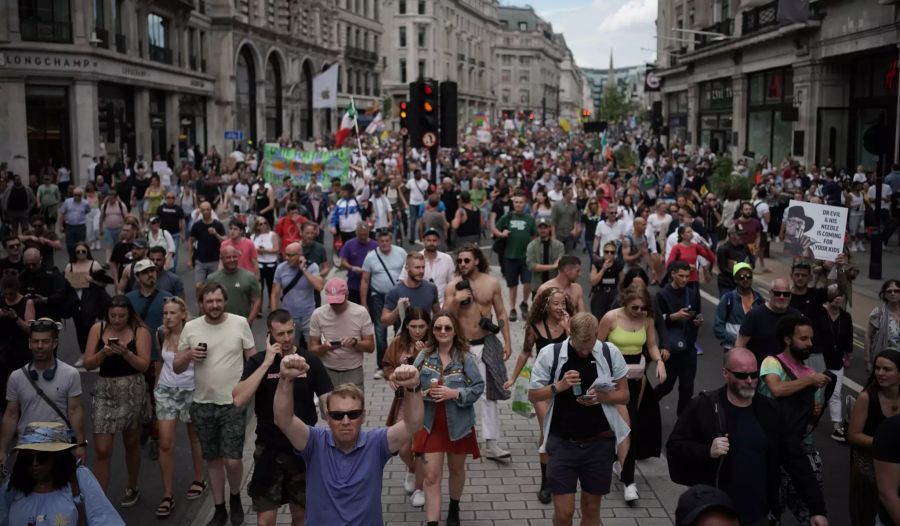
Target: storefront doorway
<point>47,119</point>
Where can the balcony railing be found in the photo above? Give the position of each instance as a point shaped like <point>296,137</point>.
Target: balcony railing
<point>160,54</point>
<point>121,44</point>
<point>760,18</point>
<point>103,37</point>
<point>725,27</point>
<point>361,54</point>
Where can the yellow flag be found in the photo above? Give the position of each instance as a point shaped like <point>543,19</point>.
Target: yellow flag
<point>564,124</point>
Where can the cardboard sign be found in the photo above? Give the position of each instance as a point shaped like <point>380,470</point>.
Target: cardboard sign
<point>814,231</point>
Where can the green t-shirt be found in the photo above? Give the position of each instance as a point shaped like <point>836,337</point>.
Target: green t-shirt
<point>522,230</point>
<point>478,196</point>
<point>242,288</point>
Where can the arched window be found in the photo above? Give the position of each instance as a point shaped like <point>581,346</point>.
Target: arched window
<point>245,100</point>
<point>273,100</point>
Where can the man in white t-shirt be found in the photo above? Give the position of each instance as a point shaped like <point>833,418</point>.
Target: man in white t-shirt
<point>611,229</point>
<point>218,343</point>
<point>418,193</point>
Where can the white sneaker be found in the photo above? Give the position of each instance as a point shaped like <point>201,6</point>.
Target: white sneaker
<point>494,452</point>
<point>418,499</point>
<point>631,493</point>
<point>409,483</point>
<point>79,363</point>
<point>379,374</point>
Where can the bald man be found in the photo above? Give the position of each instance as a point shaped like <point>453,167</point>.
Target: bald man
<point>43,284</point>
<point>737,441</point>
<point>244,297</point>
<point>296,279</point>
<point>757,333</point>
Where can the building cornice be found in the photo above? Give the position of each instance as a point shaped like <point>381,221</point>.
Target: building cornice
<point>225,23</point>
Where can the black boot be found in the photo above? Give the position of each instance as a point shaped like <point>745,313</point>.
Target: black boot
<point>453,513</point>
<point>220,517</point>
<point>237,510</point>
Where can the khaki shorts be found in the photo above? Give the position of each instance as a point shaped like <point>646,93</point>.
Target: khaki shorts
<point>278,478</point>
<point>220,429</point>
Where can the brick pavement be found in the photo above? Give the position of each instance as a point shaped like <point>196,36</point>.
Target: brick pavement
<point>495,494</point>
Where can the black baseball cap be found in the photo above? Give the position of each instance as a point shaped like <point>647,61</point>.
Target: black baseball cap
<point>432,232</point>
<point>698,499</point>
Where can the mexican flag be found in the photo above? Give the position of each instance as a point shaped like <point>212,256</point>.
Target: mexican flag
<point>347,123</point>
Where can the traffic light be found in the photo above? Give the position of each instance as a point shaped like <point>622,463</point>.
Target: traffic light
<point>586,114</point>
<point>403,107</point>
<point>531,116</point>
<point>448,114</point>
<point>423,111</point>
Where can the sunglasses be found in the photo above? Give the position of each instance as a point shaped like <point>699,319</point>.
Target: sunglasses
<point>782,293</point>
<point>81,251</point>
<point>892,291</point>
<point>743,277</point>
<point>443,328</point>
<point>464,260</point>
<point>609,251</point>
<point>38,457</point>
<point>339,415</point>
<point>752,375</point>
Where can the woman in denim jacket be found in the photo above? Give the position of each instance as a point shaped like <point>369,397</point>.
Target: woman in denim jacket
<point>451,383</point>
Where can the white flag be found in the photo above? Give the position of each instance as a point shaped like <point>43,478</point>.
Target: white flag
<point>325,88</point>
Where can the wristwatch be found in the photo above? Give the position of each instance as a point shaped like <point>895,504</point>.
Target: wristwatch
<point>553,389</point>
<point>416,389</point>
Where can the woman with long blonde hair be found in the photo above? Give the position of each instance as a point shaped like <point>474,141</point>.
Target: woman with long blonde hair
<point>174,394</point>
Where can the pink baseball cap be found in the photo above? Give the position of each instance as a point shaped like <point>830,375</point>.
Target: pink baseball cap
<point>336,291</point>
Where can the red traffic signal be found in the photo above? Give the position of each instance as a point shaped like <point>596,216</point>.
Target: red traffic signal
<point>403,110</point>
<point>428,90</point>
<point>531,116</point>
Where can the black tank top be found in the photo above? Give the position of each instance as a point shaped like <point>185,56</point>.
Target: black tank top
<point>540,341</point>
<point>875,415</point>
<point>262,201</point>
<point>115,366</point>
<point>472,225</point>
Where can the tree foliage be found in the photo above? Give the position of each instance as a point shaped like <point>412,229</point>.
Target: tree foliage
<point>614,107</point>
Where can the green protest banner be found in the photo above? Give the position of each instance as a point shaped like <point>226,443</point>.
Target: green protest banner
<point>300,165</point>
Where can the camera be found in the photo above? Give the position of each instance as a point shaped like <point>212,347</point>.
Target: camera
<point>488,324</point>
<point>463,284</point>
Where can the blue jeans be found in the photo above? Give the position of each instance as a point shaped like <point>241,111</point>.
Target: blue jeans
<point>413,233</point>
<point>376,305</point>
<point>177,239</point>
<point>681,366</point>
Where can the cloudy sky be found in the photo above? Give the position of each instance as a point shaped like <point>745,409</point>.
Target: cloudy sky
<point>593,27</point>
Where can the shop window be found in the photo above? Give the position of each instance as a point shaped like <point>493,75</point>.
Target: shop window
<point>47,122</point>
<point>45,20</point>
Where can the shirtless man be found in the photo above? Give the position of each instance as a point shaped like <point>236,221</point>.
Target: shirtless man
<point>569,271</point>
<point>471,304</point>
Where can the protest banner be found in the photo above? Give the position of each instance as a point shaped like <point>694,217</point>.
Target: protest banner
<point>300,165</point>
<point>814,231</point>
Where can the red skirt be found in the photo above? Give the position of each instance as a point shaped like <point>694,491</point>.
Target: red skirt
<point>438,441</point>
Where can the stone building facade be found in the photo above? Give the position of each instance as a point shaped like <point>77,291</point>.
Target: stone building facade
<point>528,58</point>
<point>751,82</point>
<point>359,36</point>
<point>446,40</point>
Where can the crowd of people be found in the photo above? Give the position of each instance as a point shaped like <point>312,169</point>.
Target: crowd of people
<point>405,276</point>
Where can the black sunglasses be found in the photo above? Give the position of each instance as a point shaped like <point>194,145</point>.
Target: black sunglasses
<point>463,260</point>
<point>339,415</point>
<point>782,293</point>
<point>753,375</point>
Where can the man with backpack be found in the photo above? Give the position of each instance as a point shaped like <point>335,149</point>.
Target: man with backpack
<point>738,442</point>
<point>801,393</point>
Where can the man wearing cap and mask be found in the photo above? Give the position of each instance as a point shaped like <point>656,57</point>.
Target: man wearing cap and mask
<point>735,304</point>
<point>340,331</point>
<point>59,381</point>
<point>127,281</point>
<point>729,254</point>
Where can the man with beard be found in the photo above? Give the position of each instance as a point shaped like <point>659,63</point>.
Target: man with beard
<point>208,234</point>
<point>567,280</point>
<point>127,280</point>
<point>411,291</point>
<point>12,263</point>
<point>314,252</point>
<point>166,280</point>
<point>728,254</point>
<point>218,343</point>
<point>472,296</point>
<point>757,333</point>
<point>542,255</point>
<point>121,251</point>
<point>41,238</point>
<point>60,381</point>
<point>752,233</point>
<point>801,393</point>
<point>439,266</point>
<point>808,300</point>
<point>45,285</point>
<point>288,227</point>
<point>295,280</point>
<point>738,441</point>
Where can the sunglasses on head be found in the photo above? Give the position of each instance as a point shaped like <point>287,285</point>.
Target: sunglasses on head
<point>744,375</point>
<point>782,293</point>
<point>339,415</point>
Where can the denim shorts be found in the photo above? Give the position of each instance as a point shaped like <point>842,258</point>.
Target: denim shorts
<point>589,462</point>
<point>111,236</point>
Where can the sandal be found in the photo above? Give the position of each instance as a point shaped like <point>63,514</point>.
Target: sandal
<point>166,505</point>
<point>198,487</point>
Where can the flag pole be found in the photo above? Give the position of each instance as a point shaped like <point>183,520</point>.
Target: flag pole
<point>356,127</point>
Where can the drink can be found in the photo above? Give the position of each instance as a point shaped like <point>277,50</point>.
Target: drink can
<point>576,389</point>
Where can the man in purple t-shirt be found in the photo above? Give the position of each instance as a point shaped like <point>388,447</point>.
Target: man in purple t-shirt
<point>353,254</point>
<point>344,465</point>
